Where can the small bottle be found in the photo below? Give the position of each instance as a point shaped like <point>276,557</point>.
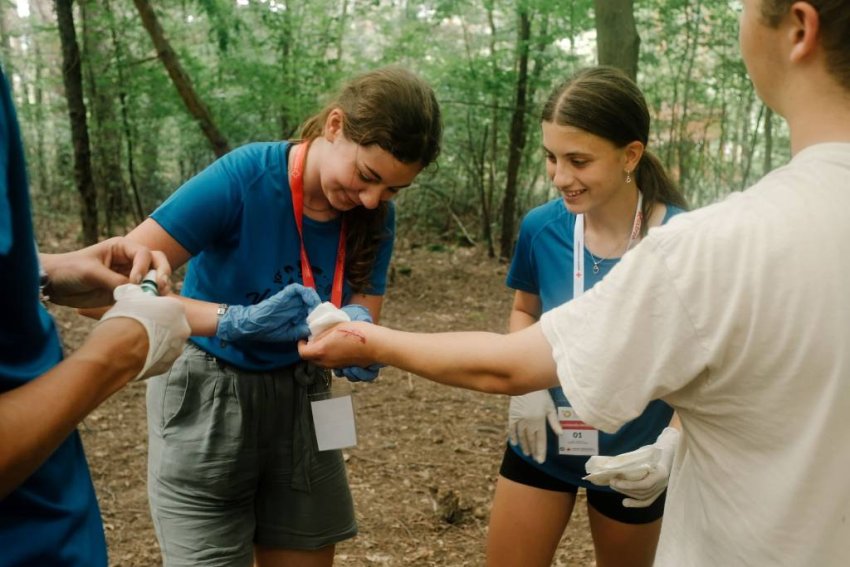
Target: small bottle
<point>148,284</point>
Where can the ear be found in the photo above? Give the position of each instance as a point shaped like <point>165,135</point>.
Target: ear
<point>333,124</point>
<point>632,153</point>
<point>804,30</point>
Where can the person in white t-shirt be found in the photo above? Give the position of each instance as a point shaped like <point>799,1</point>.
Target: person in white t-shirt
<point>737,315</point>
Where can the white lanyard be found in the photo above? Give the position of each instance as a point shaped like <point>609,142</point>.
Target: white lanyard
<point>578,245</point>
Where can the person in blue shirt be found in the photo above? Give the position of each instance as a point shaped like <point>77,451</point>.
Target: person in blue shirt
<point>595,133</point>
<point>269,231</point>
<point>48,511</point>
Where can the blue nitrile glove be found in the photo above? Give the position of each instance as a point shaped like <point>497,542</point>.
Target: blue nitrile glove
<point>359,374</point>
<point>358,312</point>
<point>280,318</point>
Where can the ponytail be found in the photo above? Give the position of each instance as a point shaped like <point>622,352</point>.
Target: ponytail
<point>656,186</point>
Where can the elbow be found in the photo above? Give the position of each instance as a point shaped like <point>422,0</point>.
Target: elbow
<point>505,384</point>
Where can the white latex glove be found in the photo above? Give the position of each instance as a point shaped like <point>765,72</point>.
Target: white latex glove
<point>646,490</point>
<point>527,418</point>
<point>634,465</point>
<point>163,318</point>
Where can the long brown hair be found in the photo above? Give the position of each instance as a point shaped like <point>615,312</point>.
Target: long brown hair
<point>398,111</point>
<point>605,102</point>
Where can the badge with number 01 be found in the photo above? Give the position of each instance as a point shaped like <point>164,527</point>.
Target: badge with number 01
<point>333,419</point>
<point>578,438</point>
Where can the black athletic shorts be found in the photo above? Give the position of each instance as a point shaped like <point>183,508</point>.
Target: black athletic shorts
<point>609,504</point>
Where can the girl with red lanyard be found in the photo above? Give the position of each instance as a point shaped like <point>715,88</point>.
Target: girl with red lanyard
<point>269,231</point>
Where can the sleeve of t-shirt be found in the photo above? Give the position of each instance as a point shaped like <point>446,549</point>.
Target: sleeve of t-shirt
<point>208,206</point>
<point>631,338</point>
<point>378,279</point>
<point>521,274</point>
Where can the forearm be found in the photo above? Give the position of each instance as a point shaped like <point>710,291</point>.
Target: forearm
<point>202,315</point>
<point>37,417</point>
<point>488,362</point>
<point>520,320</point>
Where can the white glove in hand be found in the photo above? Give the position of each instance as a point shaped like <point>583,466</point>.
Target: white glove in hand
<point>645,491</point>
<point>163,318</point>
<point>527,418</point>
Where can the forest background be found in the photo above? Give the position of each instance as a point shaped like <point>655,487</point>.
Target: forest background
<point>121,101</point>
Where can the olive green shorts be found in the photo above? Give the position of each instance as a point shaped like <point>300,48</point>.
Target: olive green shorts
<point>233,462</point>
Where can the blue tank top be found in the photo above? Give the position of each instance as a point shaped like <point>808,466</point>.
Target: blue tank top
<point>542,265</point>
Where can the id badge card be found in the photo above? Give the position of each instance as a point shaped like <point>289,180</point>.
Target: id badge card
<point>578,438</point>
<point>333,418</point>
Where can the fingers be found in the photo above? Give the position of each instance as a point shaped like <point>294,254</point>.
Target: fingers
<point>540,444</point>
<point>513,434</point>
<point>159,262</point>
<point>525,439</point>
<point>122,251</point>
<point>637,503</point>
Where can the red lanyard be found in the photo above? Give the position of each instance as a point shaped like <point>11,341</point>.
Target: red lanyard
<point>296,184</point>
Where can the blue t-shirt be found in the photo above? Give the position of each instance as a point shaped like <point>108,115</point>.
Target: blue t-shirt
<point>542,265</point>
<point>52,518</point>
<point>237,221</point>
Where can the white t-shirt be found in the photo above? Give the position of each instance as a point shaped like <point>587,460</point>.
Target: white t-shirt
<point>738,315</point>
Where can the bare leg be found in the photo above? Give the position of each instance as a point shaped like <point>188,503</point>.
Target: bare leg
<point>622,545</point>
<point>526,524</point>
<point>273,557</point>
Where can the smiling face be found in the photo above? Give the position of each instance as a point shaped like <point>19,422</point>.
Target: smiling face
<point>588,170</point>
<point>355,175</point>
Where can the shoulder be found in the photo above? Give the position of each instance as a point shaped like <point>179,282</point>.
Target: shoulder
<point>543,217</point>
<point>257,155</point>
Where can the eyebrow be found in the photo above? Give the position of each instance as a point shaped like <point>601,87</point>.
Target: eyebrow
<point>569,154</point>
<point>378,177</point>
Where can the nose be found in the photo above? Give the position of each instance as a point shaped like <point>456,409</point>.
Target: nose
<point>563,176</point>
<point>371,196</point>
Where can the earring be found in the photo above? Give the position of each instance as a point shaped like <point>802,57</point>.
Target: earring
<point>628,176</point>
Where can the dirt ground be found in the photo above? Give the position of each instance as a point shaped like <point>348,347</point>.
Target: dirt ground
<point>427,457</point>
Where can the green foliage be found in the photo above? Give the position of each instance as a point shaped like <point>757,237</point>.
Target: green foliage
<point>262,67</point>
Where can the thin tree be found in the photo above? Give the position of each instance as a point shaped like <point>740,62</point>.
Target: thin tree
<point>180,78</point>
<point>516,136</point>
<point>617,39</point>
<point>73,79</point>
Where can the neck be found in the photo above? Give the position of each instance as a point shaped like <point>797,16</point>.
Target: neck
<point>607,228</point>
<point>316,205</point>
<point>817,115</point>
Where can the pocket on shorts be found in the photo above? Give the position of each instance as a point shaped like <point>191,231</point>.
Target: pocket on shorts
<point>169,394</point>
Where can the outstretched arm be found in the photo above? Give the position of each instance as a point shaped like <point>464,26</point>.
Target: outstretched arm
<point>488,362</point>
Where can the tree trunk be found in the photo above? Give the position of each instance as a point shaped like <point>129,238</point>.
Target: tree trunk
<point>73,79</point>
<point>181,80</point>
<point>617,39</point>
<point>516,137</point>
<point>106,132</point>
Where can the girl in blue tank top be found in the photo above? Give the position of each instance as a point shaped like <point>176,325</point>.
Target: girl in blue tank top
<point>612,190</point>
